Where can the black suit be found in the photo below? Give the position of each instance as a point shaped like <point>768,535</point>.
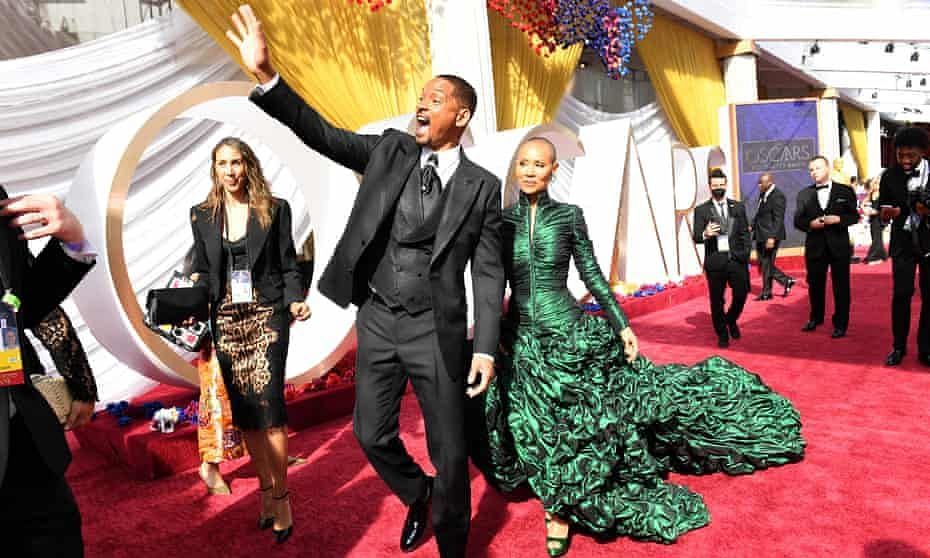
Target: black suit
<point>828,247</point>
<point>906,257</point>
<point>399,336</point>
<point>725,268</point>
<point>769,222</point>
<point>38,515</point>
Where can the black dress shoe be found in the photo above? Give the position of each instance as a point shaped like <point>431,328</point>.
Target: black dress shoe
<point>414,531</point>
<point>895,357</point>
<point>764,296</point>
<point>723,342</point>
<point>924,358</point>
<point>734,330</point>
<point>810,326</point>
<point>788,285</point>
<point>838,332</point>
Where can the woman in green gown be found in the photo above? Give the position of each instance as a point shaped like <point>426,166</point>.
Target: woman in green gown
<point>589,424</point>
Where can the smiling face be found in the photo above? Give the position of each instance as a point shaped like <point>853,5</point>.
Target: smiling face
<point>441,116</point>
<point>535,165</point>
<point>229,169</point>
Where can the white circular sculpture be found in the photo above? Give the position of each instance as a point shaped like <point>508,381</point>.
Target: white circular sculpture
<point>106,298</point>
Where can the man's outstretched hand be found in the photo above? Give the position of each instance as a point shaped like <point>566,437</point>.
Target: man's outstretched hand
<point>250,40</point>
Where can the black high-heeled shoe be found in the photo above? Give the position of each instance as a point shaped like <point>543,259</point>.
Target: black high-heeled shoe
<point>264,522</point>
<point>282,535</point>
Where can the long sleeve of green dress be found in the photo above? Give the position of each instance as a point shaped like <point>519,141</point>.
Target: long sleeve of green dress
<point>592,275</point>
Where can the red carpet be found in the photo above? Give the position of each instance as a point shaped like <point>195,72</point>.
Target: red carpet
<point>862,490</point>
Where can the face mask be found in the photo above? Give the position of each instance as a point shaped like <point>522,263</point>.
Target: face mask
<point>719,193</point>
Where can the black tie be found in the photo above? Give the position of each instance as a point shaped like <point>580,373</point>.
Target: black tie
<point>430,184</point>
<point>429,177</point>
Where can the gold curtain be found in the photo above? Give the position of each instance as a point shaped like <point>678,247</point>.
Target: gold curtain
<point>855,125</point>
<point>683,67</point>
<point>353,66</point>
<point>528,87</point>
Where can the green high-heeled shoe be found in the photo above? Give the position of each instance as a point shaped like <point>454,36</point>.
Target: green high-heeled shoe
<point>561,543</point>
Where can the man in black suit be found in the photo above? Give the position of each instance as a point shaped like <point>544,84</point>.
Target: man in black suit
<point>721,225</point>
<point>768,230</point>
<point>38,514</point>
<point>901,191</point>
<point>825,211</point>
<point>422,213</point>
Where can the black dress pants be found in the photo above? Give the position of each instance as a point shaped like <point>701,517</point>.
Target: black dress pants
<point>38,515</point>
<point>394,347</point>
<point>817,288</point>
<point>768,269</point>
<point>904,268</point>
<point>736,275</point>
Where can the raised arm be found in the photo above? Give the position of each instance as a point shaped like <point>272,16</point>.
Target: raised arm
<point>349,149</point>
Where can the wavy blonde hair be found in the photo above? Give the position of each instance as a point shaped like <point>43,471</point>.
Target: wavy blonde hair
<point>256,186</point>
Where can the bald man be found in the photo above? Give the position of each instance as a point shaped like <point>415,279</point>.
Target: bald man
<point>768,230</point>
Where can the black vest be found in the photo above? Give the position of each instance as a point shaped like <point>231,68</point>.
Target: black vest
<point>401,276</point>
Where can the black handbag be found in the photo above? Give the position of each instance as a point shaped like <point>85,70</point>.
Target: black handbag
<point>174,306</point>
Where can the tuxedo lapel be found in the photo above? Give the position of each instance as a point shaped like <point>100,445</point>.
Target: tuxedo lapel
<point>255,239</point>
<point>463,189</point>
<point>392,191</point>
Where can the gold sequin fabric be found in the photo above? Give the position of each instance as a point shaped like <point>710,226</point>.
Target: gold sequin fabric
<point>244,336</point>
<point>251,347</point>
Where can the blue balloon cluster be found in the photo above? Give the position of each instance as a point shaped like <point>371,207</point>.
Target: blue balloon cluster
<point>611,31</point>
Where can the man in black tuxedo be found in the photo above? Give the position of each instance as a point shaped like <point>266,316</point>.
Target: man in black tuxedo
<point>825,211</point>
<point>768,230</point>
<point>901,191</point>
<point>422,213</point>
<point>38,515</point>
<point>721,225</point>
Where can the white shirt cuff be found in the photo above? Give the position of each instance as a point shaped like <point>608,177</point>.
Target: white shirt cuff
<point>82,251</point>
<point>263,88</point>
<point>485,356</point>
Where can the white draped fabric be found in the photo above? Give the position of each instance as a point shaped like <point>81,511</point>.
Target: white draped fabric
<point>649,125</point>
<point>55,106</point>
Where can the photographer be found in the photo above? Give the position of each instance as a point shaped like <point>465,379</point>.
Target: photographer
<point>904,199</point>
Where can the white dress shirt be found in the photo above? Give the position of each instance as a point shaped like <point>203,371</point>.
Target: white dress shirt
<point>823,195</point>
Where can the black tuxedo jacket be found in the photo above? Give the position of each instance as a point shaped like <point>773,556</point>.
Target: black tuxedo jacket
<point>469,229</point>
<point>272,256</point>
<point>737,234</point>
<point>41,285</point>
<point>893,191</point>
<point>769,220</point>
<point>833,239</point>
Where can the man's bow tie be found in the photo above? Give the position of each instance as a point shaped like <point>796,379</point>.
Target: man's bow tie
<point>912,174</point>
<point>822,186</point>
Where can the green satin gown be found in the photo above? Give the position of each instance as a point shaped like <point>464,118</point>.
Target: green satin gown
<point>593,435</point>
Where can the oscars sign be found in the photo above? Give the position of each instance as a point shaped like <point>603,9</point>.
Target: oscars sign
<point>637,204</point>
